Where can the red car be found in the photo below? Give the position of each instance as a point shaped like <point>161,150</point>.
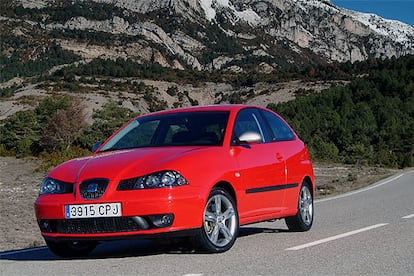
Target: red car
<point>199,172</point>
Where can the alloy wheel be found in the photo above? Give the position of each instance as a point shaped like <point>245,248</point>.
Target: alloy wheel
<point>220,220</point>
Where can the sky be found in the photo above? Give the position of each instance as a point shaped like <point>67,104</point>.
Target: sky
<point>402,10</point>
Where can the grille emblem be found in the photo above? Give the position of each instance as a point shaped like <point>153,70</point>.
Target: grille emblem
<point>92,188</point>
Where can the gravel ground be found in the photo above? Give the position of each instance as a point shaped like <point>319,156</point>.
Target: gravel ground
<point>19,187</point>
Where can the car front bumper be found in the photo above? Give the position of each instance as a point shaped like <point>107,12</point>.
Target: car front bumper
<point>144,213</point>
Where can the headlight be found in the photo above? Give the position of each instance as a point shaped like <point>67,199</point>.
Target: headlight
<point>53,186</point>
<point>162,179</point>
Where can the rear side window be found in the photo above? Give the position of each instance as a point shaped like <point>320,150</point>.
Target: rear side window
<point>280,130</point>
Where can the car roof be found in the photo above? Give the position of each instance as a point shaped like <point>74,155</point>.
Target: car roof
<point>215,107</point>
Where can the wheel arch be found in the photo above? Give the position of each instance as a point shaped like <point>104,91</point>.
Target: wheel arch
<point>308,180</point>
<point>228,187</point>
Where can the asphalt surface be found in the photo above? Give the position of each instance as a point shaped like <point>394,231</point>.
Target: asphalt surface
<point>367,232</point>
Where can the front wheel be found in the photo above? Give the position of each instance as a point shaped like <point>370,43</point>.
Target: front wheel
<point>69,249</point>
<point>220,222</point>
<point>303,220</point>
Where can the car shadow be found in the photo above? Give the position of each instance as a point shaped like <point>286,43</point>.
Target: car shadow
<point>125,248</point>
<point>248,231</point>
<point>108,249</point>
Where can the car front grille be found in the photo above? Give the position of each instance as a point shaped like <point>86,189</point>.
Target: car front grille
<point>98,225</point>
<point>90,226</point>
<point>106,225</point>
<point>93,188</point>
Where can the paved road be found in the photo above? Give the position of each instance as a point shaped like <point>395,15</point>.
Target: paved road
<point>369,232</point>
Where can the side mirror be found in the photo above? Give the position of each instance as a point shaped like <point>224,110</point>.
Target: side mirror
<point>96,146</point>
<point>249,137</point>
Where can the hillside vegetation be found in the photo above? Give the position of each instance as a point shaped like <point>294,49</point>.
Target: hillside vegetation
<point>371,120</point>
<point>368,121</point>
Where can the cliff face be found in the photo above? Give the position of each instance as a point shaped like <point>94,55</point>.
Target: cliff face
<point>210,34</point>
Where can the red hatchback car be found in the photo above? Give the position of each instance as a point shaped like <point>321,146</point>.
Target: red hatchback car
<point>199,172</point>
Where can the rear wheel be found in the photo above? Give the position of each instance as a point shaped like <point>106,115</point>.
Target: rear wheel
<point>220,222</point>
<point>71,248</point>
<point>303,220</point>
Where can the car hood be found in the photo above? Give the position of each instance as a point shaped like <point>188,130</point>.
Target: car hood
<point>121,164</point>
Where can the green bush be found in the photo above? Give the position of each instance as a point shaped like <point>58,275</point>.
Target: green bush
<point>106,121</point>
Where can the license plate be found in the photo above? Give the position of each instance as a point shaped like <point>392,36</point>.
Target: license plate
<point>93,210</point>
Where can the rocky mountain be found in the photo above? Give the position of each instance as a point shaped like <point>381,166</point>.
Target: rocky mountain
<point>226,51</point>
<point>231,35</point>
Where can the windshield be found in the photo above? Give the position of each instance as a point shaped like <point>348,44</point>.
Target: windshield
<point>178,129</point>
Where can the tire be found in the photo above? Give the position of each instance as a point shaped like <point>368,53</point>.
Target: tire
<point>303,220</point>
<point>220,222</point>
<point>69,249</point>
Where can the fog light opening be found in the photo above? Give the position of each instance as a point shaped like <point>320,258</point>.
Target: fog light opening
<point>44,226</point>
<point>162,220</point>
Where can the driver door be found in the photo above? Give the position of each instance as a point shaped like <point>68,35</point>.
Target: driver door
<point>261,167</point>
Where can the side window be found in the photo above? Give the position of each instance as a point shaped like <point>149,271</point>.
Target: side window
<point>248,120</point>
<point>280,130</point>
